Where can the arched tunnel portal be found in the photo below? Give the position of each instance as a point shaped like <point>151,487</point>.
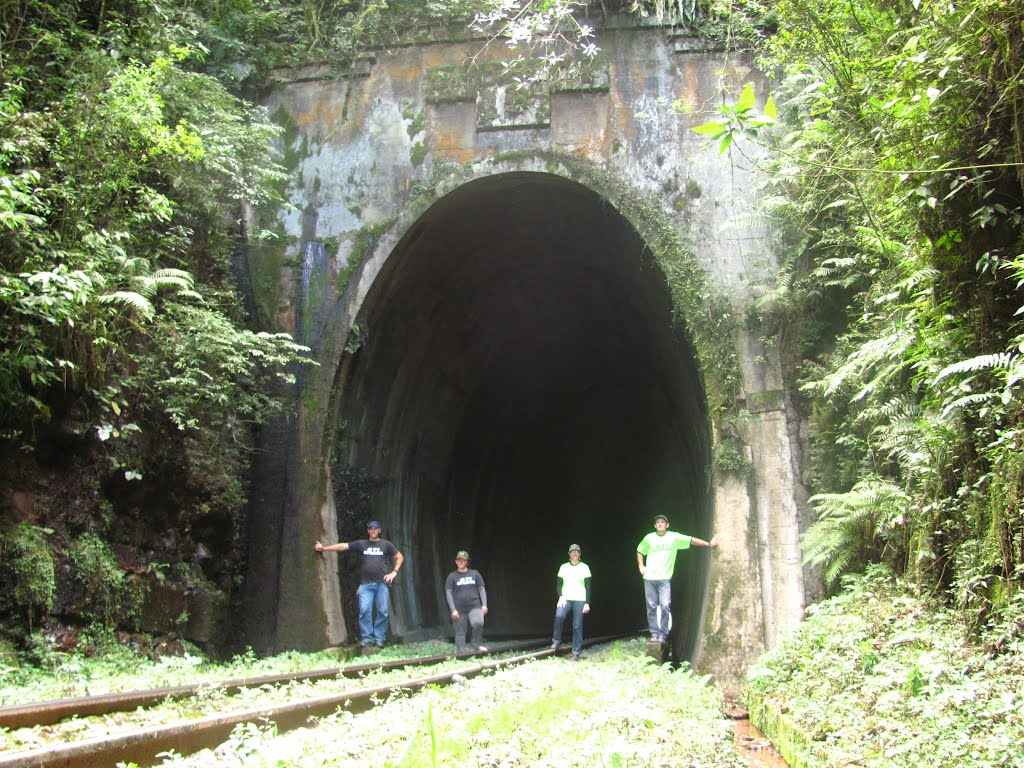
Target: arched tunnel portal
<point>522,383</point>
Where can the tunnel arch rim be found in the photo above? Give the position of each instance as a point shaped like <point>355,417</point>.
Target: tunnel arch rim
<point>653,229</point>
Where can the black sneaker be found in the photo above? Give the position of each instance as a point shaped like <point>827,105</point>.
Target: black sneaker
<point>575,656</point>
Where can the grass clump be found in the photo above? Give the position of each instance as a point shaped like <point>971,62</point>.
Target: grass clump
<point>880,676</point>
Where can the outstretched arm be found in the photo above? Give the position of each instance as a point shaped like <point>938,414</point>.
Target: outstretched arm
<point>339,547</point>
<point>701,543</point>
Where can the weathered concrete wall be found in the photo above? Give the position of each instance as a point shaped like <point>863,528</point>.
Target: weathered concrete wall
<point>370,149</point>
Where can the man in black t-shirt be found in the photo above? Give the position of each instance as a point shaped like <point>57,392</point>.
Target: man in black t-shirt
<point>381,562</point>
<point>467,600</point>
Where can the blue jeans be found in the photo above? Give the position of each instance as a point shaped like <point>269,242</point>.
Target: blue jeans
<point>659,600</point>
<point>372,631</point>
<point>576,606</point>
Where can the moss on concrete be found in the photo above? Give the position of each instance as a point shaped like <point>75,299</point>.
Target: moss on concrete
<point>449,83</point>
<point>730,457</point>
<point>717,645</point>
<point>266,265</point>
<point>363,243</point>
<point>524,94</point>
<point>418,154</point>
<point>797,748</point>
<point>316,290</point>
<point>416,121</point>
<point>292,148</point>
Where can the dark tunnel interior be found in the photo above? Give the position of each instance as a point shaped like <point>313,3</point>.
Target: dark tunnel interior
<point>520,385</point>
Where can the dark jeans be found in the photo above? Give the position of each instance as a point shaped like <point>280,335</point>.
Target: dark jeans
<point>576,606</point>
<point>474,617</point>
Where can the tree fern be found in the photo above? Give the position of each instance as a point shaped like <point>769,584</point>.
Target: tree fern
<point>145,284</point>
<point>851,523</point>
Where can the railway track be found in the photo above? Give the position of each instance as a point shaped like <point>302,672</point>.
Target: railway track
<point>143,745</point>
<point>50,712</point>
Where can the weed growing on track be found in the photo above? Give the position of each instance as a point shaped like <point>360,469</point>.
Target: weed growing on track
<point>615,708</point>
<point>208,700</point>
<point>120,669</point>
<point>882,678</point>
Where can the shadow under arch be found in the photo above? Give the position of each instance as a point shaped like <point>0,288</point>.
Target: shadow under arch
<point>521,384</point>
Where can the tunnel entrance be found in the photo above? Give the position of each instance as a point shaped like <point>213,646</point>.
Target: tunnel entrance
<point>518,383</point>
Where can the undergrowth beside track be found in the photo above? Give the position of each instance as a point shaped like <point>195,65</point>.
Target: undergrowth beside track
<point>882,677</point>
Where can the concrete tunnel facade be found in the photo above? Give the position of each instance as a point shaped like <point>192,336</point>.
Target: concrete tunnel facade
<point>505,363</point>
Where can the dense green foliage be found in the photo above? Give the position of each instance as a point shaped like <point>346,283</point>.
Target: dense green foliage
<point>27,578</point>
<point>125,354</point>
<point>896,187</point>
<point>880,677</point>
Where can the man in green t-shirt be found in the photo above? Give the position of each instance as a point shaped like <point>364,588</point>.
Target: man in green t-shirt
<point>659,549</point>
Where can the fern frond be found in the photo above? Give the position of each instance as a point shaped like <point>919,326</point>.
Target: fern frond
<point>132,265</point>
<point>1016,372</point>
<point>859,363</point>
<point>130,300</point>
<point>996,361</point>
<point>177,279</point>
<point>975,398</point>
<point>919,277</point>
<point>847,522</point>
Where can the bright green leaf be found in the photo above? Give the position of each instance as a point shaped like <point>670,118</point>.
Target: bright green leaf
<point>713,129</point>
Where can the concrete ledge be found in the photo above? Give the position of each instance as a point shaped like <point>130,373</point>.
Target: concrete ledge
<point>796,747</point>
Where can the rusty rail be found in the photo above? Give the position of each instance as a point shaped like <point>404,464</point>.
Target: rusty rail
<point>143,746</point>
<point>50,712</point>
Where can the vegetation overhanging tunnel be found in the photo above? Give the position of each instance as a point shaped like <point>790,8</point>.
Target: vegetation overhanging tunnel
<point>520,384</point>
